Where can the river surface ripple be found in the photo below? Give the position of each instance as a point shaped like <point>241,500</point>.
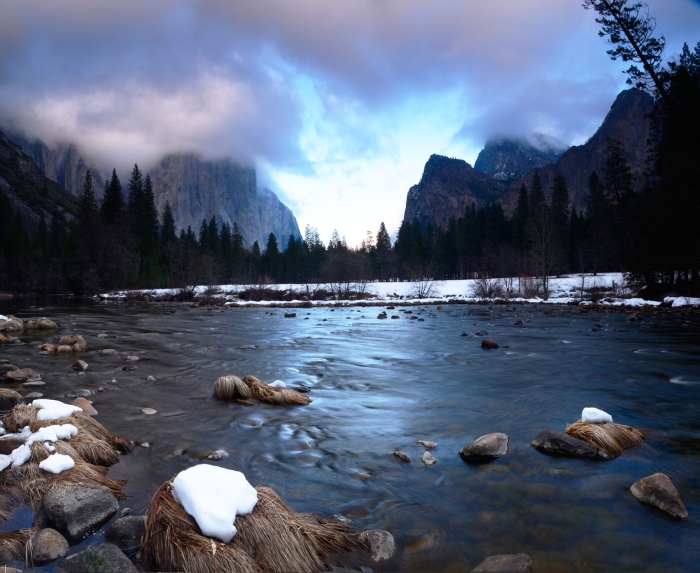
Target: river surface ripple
<point>380,385</point>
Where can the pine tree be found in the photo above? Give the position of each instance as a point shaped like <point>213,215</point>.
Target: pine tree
<point>560,218</point>
<point>167,230</point>
<point>113,200</point>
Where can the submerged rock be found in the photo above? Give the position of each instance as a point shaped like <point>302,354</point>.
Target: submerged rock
<point>659,491</point>
<point>428,459</point>
<point>48,545</point>
<point>486,447</point>
<point>126,532</point>
<point>402,456</point>
<point>107,352</point>
<point>98,558</point>
<point>79,365</point>
<point>514,563</point>
<point>427,444</point>
<point>561,444</point>
<point>19,375</point>
<point>9,399</point>
<point>78,510</point>
<point>380,542</point>
<point>79,393</point>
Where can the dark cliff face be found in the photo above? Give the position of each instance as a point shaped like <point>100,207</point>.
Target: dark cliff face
<point>626,121</point>
<point>507,159</point>
<point>28,189</point>
<point>63,164</point>
<point>447,187</point>
<point>199,189</point>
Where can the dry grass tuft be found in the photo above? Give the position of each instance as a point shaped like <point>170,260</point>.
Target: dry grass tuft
<point>42,323</point>
<point>230,387</point>
<point>609,437</point>
<point>39,453</point>
<point>12,324</point>
<point>75,341</point>
<point>272,539</point>
<point>20,416</point>
<point>173,542</point>
<point>18,544</point>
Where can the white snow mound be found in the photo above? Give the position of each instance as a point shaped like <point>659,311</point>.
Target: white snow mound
<point>595,416</point>
<point>213,496</point>
<point>53,434</point>
<point>53,409</point>
<point>278,384</point>
<point>57,463</point>
<point>3,317</point>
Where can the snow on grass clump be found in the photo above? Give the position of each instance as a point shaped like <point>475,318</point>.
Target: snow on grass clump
<point>213,496</point>
<point>3,317</point>
<point>18,456</point>
<point>595,416</point>
<point>53,409</point>
<point>53,434</point>
<point>278,384</point>
<point>57,463</point>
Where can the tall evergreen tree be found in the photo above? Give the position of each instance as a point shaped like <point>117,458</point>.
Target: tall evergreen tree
<point>113,200</point>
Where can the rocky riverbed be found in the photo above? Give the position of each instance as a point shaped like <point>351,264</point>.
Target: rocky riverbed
<point>380,386</point>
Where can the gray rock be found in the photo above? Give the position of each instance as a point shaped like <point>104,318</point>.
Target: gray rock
<point>217,455</point>
<point>76,511</point>
<point>561,444</point>
<point>80,393</point>
<point>290,315</point>
<point>107,352</point>
<point>9,399</point>
<point>402,456</point>
<point>130,367</point>
<point>48,545</point>
<point>126,532</point>
<point>486,447</point>
<point>427,444</point>
<point>380,543</point>
<point>80,365</point>
<point>98,558</point>
<point>659,491</point>
<point>515,563</point>
<point>428,459</point>
<point>124,511</point>
<point>33,395</point>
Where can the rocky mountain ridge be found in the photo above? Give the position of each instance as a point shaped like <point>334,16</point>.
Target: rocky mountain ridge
<point>448,186</point>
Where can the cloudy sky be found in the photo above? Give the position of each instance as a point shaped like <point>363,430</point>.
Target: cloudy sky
<point>338,103</point>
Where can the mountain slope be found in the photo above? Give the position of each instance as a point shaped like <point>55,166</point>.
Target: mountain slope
<point>626,121</point>
<point>199,189</point>
<point>507,159</point>
<point>28,188</point>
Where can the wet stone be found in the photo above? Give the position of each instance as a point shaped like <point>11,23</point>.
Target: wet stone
<point>428,459</point>
<point>33,395</point>
<point>514,563</point>
<point>48,545</point>
<point>107,352</point>
<point>131,358</point>
<point>9,399</point>
<point>98,558</point>
<point>489,344</point>
<point>486,447</point>
<point>129,367</point>
<point>427,444</point>
<point>79,365</point>
<point>86,406</point>
<point>402,456</point>
<point>19,375</point>
<point>561,444</point>
<point>78,510</point>
<point>217,455</point>
<point>290,315</point>
<point>380,543</point>
<point>80,392</point>
<point>480,333</point>
<point>8,367</point>
<point>150,378</point>
<point>126,532</point>
<point>148,411</point>
<point>659,491</point>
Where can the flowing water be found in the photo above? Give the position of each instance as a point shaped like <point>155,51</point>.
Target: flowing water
<point>380,385</point>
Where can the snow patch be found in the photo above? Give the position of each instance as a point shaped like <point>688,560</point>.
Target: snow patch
<point>213,496</point>
<point>53,434</point>
<point>57,463</point>
<point>278,384</point>
<point>3,317</point>
<point>53,409</point>
<point>595,416</point>
<point>49,447</point>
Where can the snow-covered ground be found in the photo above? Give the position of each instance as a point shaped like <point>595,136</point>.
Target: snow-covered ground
<point>568,289</point>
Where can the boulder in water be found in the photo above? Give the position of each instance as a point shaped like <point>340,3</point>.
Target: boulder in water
<point>19,375</point>
<point>514,563</point>
<point>380,542</point>
<point>98,558</point>
<point>561,444</point>
<point>9,399</point>
<point>126,532</point>
<point>48,545</point>
<point>659,491</point>
<point>402,456</point>
<point>486,447</point>
<point>79,365</point>
<point>78,510</point>
<point>489,344</point>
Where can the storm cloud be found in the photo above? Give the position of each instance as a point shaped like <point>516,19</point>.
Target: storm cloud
<point>325,97</point>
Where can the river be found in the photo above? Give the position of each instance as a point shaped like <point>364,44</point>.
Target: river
<point>381,385</point>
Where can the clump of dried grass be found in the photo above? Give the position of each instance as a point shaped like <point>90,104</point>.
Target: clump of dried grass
<point>18,544</point>
<point>608,437</point>
<point>231,387</point>
<point>20,416</point>
<point>42,323</point>
<point>67,344</point>
<point>272,539</point>
<point>12,324</point>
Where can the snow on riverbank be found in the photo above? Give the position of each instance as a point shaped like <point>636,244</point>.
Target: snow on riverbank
<point>568,289</point>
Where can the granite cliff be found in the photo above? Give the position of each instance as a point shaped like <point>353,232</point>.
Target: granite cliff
<point>448,186</point>
<point>29,190</point>
<point>507,159</point>
<point>627,121</point>
<point>199,189</point>
<point>62,164</point>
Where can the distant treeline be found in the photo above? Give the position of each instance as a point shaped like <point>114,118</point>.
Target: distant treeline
<point>654,235</point>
